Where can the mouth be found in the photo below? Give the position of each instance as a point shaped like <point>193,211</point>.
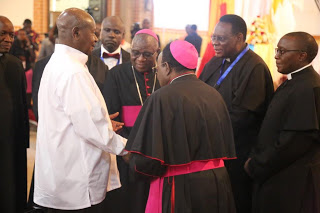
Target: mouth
<point>6,46</point>
<point>110,42</point>
<point>140,66</point>
<point>278,64</point>
<point>218,51</point>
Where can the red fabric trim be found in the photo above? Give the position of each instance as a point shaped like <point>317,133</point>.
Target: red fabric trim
<point>145,82</point>
<point>163,163</point>
<point>172,195</point>
<point>135,168</point>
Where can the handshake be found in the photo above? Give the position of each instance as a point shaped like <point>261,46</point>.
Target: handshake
<point>117,126</point>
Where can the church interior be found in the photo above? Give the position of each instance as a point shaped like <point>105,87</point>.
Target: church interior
<point>267,21</point>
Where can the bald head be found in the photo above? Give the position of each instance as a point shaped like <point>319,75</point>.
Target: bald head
<point>115,20</point>
<point>76,28</point>
<point>6,34</point>
<point>112,33</point>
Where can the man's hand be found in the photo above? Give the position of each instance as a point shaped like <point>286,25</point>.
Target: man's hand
<point>126,157</point>
<point>246,167</point>
<point>115,124</point>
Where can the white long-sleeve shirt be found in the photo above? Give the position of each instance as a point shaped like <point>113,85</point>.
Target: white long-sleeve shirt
<point>73,168</point>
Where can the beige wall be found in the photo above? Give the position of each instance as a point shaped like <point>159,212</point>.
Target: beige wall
<point>17,11</point>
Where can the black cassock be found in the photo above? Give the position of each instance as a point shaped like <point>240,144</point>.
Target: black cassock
<point>14,135</point>
<point>286,162</point>
<point>121,95</point>
<point>182,123</point>
<point>247,91</point>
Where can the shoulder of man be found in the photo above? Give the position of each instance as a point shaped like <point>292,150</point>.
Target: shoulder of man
<point>212,64</point>
<point>97,52</point>
<point>11,60</point>
<point>125,56</point>
<point>255,58</point>
<point>121,68</point>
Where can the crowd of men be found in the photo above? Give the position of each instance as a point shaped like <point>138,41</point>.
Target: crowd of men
<point>139,132</point>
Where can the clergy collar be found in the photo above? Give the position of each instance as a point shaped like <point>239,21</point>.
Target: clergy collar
<point>179,76</point>
<point>231,59</point>
<point>72,52</point>
<point>1,54</point>
<point>103,50</point>
<point>289,76</point>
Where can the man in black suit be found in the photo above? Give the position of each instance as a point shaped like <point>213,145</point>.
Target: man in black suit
<point>112,34</point>
<point>194,38</point>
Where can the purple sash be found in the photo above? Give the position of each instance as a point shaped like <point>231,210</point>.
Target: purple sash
<point>130,114</point>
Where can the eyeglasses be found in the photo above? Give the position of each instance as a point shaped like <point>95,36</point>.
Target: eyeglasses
<point>146,55</point>
<point>155,68</point>
<point>283,51</point>
<point>158,65</point>
<point>219,38</point>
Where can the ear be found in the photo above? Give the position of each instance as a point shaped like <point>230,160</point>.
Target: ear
<point>168,69</point>
<point>303,56</point>
<point>239,37</point>
<point>76,33</point>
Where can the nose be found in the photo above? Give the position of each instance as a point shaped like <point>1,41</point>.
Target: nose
<point>141,58</point>
<point>111,34</point>
<point>215,42</point>
<point>277,55</point>
<point>8,38</point>
<point>95,38</point>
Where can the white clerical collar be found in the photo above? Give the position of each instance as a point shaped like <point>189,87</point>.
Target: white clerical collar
<point>179,76</point>
<point>77,55</point>
<point>289,76</point>
<point>1,54</point>
<point>228,59</point>
<point>103,50</point>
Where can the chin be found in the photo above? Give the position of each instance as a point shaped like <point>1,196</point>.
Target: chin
<point>219,55</point>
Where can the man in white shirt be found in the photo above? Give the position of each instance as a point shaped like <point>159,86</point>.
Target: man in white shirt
<point>74,168</point>
<point>112,34</point>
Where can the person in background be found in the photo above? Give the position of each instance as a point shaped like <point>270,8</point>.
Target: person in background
<point>33,38</point>
<point>98,32</point>
<point>193,37</point>
<point>110,50</point>
<point>285,163</point>
<point>146,25</point>
<point>14,125</point>
<point>134,29</point>
<point>245,83</point>
<point>47,44</point>
<point>75,138</point>
<point>181,138</point>
<point>125,45</point>
<point>22,49</point>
